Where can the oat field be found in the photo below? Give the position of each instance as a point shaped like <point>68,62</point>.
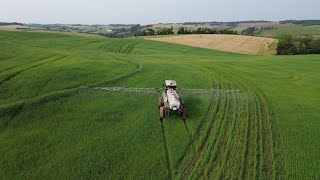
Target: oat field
<point>51,127</point>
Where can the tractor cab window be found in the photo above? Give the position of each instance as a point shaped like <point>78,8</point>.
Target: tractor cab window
<point>171,87</point>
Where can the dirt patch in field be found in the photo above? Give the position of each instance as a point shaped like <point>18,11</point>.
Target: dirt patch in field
<point>222,42</point>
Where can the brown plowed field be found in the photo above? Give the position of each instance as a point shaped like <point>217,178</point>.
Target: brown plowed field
<point>223,42</point>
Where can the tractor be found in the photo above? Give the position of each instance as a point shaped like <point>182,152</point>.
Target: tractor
<point>171,101</point>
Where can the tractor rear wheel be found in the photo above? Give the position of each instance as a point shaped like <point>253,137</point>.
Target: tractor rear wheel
<point>161,111</point>
<point>160,101</point>
<point>184,113</point>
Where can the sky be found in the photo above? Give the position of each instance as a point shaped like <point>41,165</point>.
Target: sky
<point>154,11</point>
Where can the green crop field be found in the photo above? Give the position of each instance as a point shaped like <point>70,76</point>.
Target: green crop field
<point>294,31</point>
<point>51,127</point>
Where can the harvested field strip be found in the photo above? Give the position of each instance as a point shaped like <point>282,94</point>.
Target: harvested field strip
<point>241,44</point>
<point>222,42</point>
<point>261,49</point>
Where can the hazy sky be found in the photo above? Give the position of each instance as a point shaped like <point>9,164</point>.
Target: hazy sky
<point>152,11</point>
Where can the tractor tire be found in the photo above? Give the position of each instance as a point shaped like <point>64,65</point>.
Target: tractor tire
<point>160,101</point>
<point>184,113</point>
<point>161,111</point>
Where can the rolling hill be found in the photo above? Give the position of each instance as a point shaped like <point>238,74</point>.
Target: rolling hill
<point>52,127</point>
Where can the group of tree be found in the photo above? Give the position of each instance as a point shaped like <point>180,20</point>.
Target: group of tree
<point>165,31</point>
<point>302,22</point>
<point>251,31</point>
<point>10,23</point>
<point>151,32</point>
<point>205,30</point>
<point>146,32</point>
<point>288,45</point>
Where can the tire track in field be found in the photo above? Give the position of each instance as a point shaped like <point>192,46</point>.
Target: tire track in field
<point>220,161</point>
<point>188,153</point>
<point>10,109</point>
<point>248,145</point>
<point>41,59</point>
<point>14,109</point>
<point>197,160</point>
<point>262,156</point>
<point>165,145</point>
<point>262,47</point>
<point>189,135</point>
<point>260,143</point>
<point>197,133</point>
<point>119,47</point>
<point>268,139</point>
<point>83,45</point>
<point>10,76</point>
<point>138,70</point>
<point>256,139</point>
<point>205,142</point>
<point>230,140</point>
<point>266,156</point>
<point>234,154</point>
<point>241,44</point>
<point>216,165</point>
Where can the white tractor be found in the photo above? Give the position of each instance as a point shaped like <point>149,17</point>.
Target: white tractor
<point>171,101</point>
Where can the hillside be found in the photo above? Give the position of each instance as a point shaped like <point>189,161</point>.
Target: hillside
<point>222,42</point>
<point>55,125</point>
<point>294,31</point>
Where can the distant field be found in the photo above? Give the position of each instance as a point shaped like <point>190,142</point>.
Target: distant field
<point>229,43</point>
<point>295,31</point>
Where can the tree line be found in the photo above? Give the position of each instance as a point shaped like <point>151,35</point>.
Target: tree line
<point>151,32</point>
<point>289,45</point>
<point>251,31</point>
<point>205,30</point>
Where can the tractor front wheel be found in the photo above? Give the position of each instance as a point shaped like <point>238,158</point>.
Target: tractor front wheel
<point>160,101</point>
<point>161,111</point>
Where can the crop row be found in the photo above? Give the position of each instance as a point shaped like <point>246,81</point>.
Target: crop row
<point>116,46</point>
<point>236,139</point>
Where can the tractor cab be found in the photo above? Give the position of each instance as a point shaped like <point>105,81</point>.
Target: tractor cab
<point>170,84</point>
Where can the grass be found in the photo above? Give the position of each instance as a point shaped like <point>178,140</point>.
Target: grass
<point>52,128</point>
<point>294,31</point>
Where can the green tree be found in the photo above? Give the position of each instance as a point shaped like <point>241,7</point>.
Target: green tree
<point>286,45</point>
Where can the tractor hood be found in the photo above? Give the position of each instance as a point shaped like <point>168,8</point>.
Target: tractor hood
<point>173,99</point>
